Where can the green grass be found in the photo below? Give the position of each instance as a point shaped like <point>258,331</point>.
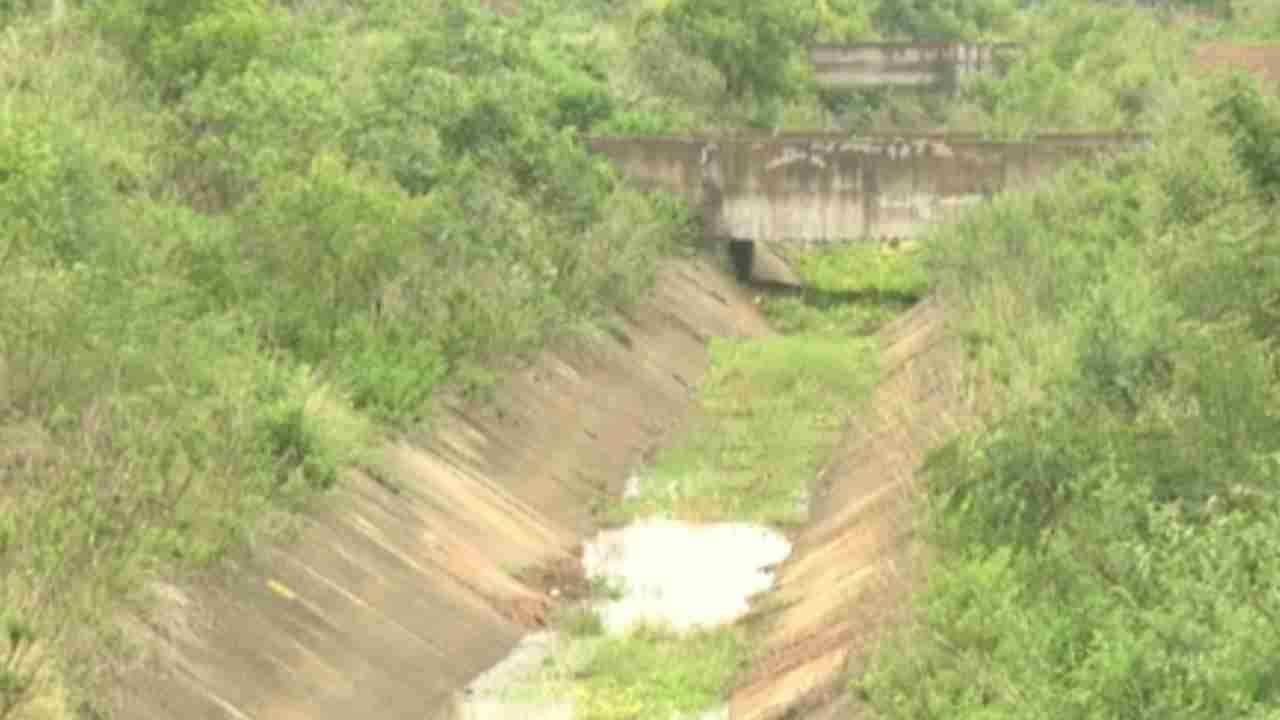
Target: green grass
<point>868,268</point>
<point>651,672</point>
<point>647,672</point>
<point>849,290</point>
<point>579,622</point>
<point>772,407</point>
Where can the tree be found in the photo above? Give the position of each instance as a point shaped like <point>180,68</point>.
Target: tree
<point>755,46</point>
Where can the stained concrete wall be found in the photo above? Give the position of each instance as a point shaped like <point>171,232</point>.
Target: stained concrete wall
<point>936,65</point>
<point>836,187</point>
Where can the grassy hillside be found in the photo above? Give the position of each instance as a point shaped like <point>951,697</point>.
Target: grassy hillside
<point>1106,546</point>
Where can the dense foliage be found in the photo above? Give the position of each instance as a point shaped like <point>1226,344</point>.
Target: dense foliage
<point>1106,545</point>
<point>240,241</point>
<point>756,47</point>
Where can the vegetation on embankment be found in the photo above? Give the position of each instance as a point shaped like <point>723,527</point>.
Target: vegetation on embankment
<point>242,241</point>
<point>1106,546</point>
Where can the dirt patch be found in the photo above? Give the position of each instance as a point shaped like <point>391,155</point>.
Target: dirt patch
<point>562,579</point>
<point>398,592</point>
<point>854,566</point>
<point>1263,60</point>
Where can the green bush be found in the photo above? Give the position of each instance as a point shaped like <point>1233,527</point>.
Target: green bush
<point>52,194</point>
<point>179,42</point>
<point>231,134</point>
<point>759,48</point>
<point>1103,546</point>
<point>321,245</point>
<point>1253,121</point>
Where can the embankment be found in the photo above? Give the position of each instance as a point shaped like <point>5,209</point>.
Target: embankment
<point>396,593</point>
<point>851,572</point>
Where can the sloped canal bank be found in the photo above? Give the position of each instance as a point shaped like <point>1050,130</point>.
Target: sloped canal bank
<point>699,533</point>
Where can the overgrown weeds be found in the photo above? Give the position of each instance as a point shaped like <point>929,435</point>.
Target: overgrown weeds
<point>773,408</point>
<point>1103,546</point>
<point>848,290</point>
<point>649,671</point>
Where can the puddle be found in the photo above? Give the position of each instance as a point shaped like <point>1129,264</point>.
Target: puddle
<point>680,575</point>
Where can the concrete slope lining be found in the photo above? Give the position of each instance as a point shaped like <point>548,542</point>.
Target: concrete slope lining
<point>854,566</point>
<point>390,601</point>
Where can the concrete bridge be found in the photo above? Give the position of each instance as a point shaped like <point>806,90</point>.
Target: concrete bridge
<point>831,187</point>
<point>935,66</point>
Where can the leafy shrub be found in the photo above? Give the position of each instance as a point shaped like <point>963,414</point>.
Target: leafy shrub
<point>758,48</point>
<point>1253,121</point>
<point>843,21</point>
<point>269,119</point>
<point>321,245</point>
<point>52,196</point>
<point>1100,543</point>
<point>179,42</point>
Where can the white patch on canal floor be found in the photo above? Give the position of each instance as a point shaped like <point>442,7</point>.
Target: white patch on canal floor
<point>676,574</point>
<point>683,575</point>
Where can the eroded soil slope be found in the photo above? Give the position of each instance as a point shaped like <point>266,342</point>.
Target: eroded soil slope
<point>397,593</point>
<point>851,572</point>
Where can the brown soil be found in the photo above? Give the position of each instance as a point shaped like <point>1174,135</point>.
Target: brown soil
<point>396,594</point>
<point>1261,59</point>
<point>853,568</point>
